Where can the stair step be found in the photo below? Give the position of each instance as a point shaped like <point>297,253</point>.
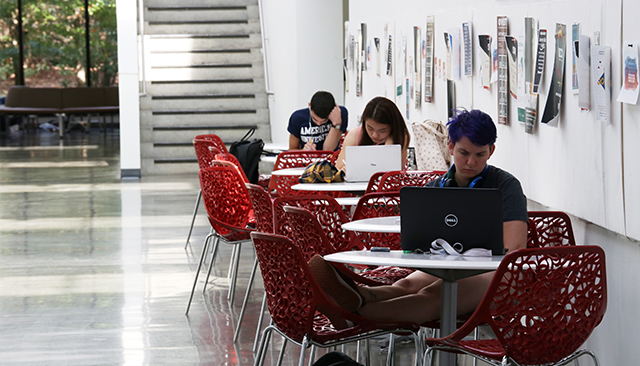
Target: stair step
<point>203,27</point>
<point>179,8</point>
<point>184,128</point>
<point>205,57</point>
<point>210,41</point>
<point>203,73</point>
<point>175,161</point>
<point>203,66</point>
<point>168,3</point>
<point>204,96</point>
<point>261,117</point>
<point>205,111</point>
<point>209,81</point>
<point>196,36</point>
<point>239,50</point>
<point>188,22</point>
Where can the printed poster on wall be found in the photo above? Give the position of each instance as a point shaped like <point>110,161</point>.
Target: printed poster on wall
<point>512,53</point>
<point>389,57</point>
<point>429,61</point>
<point>376,42</point>
<point>629,90</point>
<point>468,50</point>
<point>541,57</point>
<point>417,66</point>
<point>601,82</point>
<point>550,116</point>
<point>528,66</point>
<point>575,36</point>
<point>359,61</point>
<point>503,89</point>
<point>584,72</point>
<point>531,107</point>
<point>484,41</point>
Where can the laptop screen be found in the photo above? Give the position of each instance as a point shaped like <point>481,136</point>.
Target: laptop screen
<point>469,216</point>
<point>363,161</point>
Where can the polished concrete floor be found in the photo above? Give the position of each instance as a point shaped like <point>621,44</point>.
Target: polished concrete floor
<point>93,269</point>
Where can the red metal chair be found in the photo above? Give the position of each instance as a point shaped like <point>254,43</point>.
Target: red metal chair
<point>228,208</point>
<point>394,180</point>
<point>206,149</point>
<point>298,305</point>
<point>329,214</point>
<point>542,305</point>
<point>215,140</point>
<point>549,228</point>
<point>229,157</point>
<point>281,185</point>
<point>374,182</point>
<point>263,212</point>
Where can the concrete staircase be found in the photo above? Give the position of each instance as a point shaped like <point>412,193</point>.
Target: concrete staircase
<point>205,74</point>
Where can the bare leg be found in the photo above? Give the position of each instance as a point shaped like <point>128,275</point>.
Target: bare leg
<point>406,286</point>
<point>424,305</point>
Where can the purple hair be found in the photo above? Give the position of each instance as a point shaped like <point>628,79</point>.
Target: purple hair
<point>475,125</point>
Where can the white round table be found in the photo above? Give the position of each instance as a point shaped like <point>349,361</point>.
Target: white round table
<point>450,268</point>
<point>388,224</point>
<point>289,172</point>
<point>332,187</point>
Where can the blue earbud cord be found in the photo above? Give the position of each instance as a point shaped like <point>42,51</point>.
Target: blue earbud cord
<point>473,183</point>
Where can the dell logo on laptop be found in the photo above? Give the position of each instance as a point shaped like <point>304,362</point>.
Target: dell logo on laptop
<point>451,220</point>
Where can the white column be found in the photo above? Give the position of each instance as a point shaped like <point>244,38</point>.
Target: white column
<point>126,12</point>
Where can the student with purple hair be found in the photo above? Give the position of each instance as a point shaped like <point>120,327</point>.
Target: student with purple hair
<point>416,298</point>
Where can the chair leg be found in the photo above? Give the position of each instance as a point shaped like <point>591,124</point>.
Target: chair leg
<point>214,252</point>
<point>234,276</point>
<point>262,310</point>
<point>303,349</point>
<point>367,355</point>
<point>232,261</point>
<point>390,348</point>
<point>193,219</point>
<point>246,299</point>
<point>281,354</point>
<point>312,355</point>
<point>195,281</point>
<point>259,358</point>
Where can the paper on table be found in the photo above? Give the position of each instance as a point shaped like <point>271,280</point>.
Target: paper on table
<point>629,90</point>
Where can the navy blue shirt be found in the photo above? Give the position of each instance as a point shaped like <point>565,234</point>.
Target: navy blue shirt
<point>302,127</point>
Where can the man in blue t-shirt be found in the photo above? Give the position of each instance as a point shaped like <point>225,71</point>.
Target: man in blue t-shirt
<point>318,127</point>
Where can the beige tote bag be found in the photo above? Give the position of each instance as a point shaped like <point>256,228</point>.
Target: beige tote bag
<point>432,145</point>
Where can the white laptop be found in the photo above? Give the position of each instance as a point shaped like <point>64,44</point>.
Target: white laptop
<point>363,161</point>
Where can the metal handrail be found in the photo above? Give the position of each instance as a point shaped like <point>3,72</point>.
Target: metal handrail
<point>141,47</point>
<point>267,83</point>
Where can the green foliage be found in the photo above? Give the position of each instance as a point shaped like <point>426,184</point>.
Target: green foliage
<point>54,38</point>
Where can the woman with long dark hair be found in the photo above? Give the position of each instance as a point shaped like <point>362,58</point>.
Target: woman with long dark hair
<point>381,124</point>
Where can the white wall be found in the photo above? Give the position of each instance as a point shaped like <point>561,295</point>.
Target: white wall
<point>584,167</point>
<point>304,50</point>
<point>126,12</point>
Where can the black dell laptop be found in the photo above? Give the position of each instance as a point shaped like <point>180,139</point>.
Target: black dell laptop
<point>470,216</point>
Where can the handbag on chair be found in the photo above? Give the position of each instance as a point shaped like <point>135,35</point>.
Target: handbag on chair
<point>432,145</point>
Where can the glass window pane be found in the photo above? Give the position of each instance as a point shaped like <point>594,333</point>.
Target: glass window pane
<point>104,52</point>
<point>8,44</point>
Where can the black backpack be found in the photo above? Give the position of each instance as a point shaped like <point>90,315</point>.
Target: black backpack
<point>336,359</point>
<point>248,153</point>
